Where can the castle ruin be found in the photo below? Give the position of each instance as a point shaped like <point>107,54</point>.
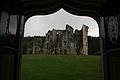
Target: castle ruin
<point>62,42</point>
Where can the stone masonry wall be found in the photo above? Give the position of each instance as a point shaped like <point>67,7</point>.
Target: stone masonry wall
<point>62,42</point>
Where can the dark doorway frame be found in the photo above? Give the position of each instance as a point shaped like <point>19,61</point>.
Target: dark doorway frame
<point>101,10</point>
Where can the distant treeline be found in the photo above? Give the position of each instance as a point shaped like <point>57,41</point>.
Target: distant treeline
<point>93,45</point>
<point>27,43</point>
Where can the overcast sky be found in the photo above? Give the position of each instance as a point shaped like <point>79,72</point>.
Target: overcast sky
<point>39,25</point>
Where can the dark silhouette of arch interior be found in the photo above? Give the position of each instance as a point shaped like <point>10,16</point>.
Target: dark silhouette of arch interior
<point>13,14</point>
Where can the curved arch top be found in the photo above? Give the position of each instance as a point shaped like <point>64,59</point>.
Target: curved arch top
<point>90,8</point>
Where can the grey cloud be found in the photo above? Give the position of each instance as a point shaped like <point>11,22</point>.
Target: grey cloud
<point>39,25</point>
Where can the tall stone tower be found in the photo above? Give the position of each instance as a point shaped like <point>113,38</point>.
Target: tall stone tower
<point>85,40</point>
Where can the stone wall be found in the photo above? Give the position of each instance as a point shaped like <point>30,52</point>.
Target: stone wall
<point>85,39</point>
<point>62,42</point>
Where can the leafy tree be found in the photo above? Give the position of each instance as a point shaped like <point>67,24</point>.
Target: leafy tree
<point>27,43</point>
<point>93,45</point>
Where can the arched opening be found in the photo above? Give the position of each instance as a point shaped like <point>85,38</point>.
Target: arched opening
<point>38,26</point>
<point>106,13</point>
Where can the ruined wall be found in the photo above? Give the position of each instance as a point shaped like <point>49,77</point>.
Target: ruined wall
<point>38,45</point>
<point>78,41</point>
<point>85,40</point>
<point>62,42</point>
<point>68,41</point>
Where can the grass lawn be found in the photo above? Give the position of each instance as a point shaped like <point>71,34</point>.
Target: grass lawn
<point>61,67</point>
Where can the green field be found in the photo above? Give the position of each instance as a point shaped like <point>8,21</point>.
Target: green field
<point>61,67</point>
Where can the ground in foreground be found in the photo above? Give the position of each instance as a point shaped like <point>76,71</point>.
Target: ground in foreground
<point>61,67</point>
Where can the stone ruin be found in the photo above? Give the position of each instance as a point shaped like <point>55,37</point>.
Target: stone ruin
<point>62,42</point>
